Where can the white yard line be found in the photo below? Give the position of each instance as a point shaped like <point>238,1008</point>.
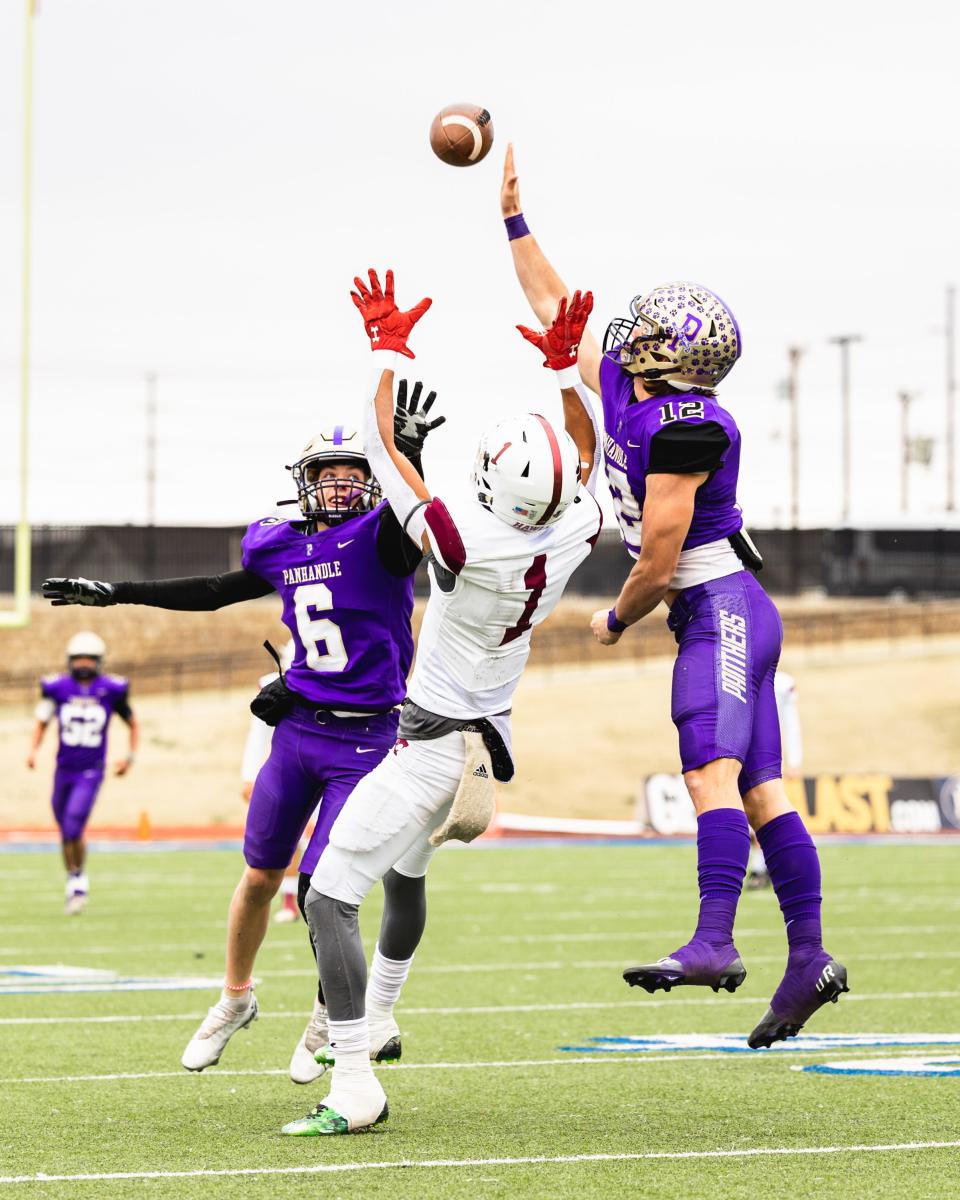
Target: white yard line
<point>484,1009</point>
<point>527,1160</point>
<point>594,1060</point>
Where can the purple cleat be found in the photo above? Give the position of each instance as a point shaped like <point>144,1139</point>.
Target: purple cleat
<point>695,964</point>
<point>802,991</point>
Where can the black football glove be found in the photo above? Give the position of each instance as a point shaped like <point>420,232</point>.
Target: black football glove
<point>410,423</point>
<point>78,591</point>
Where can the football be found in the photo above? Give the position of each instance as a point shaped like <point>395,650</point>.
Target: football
<point>461,134</point>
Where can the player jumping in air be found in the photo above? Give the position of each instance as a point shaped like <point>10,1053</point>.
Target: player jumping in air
<point>672,456</point>
<point>500,555</point>
<point>83,701</point>
<point>344,571</point>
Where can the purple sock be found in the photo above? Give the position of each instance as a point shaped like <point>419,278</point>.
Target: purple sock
<point>795,874</point>
<point>723,847</point>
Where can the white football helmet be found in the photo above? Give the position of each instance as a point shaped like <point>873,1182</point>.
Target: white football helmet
<point>526,472</point>
<point>85,645</point>
<point>328,501</point>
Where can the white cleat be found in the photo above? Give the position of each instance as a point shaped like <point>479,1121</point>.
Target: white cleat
<point>218,1027</point>
<point>283,916</point>
<point>304,1067</point>
<point>75,904</point>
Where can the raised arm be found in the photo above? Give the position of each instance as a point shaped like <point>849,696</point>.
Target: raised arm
<point>388,330</point>
<point>542,286</point>
<point>560,344</point>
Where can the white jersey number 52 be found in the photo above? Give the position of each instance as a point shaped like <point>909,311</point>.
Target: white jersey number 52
<point>316,632</point>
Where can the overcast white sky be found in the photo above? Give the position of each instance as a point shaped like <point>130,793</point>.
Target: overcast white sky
<point>211,173</point>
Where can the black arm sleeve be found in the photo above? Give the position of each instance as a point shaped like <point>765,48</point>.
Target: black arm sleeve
<point>198,593</point>
<point>396,551</point>
<point>685,448</point>
<point>123,709</point>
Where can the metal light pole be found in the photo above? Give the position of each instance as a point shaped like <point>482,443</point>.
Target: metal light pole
<point>905,398</point>
<point>951,397</point>
<point>794,353</point>
<point>845,341</point>
<point>151,447</point>
<point>150,556</point>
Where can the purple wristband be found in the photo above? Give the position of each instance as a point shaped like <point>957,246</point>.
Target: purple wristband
<point>516,227</point>
<point>614,624</point>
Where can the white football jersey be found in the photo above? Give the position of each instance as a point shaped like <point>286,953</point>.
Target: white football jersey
<point>500,583</point>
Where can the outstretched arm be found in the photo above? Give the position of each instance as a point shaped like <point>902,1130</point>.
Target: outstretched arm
<point>388,329</point>
<point>542,286</point>
<point>199,593</point>
<point>560,343</point>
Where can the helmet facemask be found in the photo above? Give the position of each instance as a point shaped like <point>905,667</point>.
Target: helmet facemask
<point>333,499</point>
<point>81,670</point>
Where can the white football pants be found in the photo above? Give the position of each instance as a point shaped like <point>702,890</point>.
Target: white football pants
<point>389,816</point>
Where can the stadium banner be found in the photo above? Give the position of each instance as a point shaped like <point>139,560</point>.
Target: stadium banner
<point>855,803</point>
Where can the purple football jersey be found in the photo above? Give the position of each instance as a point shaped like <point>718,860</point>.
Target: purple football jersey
<point>348,616</point>
<point>629,428</point>
<point>83,714</point>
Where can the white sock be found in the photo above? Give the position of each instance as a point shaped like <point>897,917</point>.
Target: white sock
<point>289,885</point>
<point>238,1001</point>
<point>757,863</point>
<point>387,977</point>
<point>355,1092</point>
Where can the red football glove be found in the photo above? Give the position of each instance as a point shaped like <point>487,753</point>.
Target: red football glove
<point>387,327</point>
<point>561,342</point>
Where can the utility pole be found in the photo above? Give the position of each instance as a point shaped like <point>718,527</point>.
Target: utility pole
<point>845,341</point>
<point>905,398</point>
<point>951,397</point>
<point>151,447</point>
<point>150,545</point>
<point>794,353</point>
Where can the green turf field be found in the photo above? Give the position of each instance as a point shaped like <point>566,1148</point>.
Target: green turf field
<point>522,956</point>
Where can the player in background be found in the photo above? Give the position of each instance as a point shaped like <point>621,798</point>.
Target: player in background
<point>83,700</point>
<point>785,691</point>
<point>500,553</point>
<point>672,457</point>
<point>344,571</point>
<point>256,750</point>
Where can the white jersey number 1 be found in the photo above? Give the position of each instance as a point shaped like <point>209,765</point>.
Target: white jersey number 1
<point>316,631</point>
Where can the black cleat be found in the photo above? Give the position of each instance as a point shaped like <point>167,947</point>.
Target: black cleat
<point>669,973</point>
<point>389,1052</point>
<point>798,997</point>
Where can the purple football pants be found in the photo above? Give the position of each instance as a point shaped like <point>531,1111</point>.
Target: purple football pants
<point>74,795</point>
<point>729,633</point>
<point>310,763</point>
